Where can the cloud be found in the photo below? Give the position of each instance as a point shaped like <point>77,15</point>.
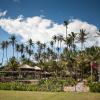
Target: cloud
<point>3,13</point>
<point>39,28</point>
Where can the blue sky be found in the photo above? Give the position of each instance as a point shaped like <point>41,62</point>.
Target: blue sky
<point>57,10</point>
<point>41,19</point>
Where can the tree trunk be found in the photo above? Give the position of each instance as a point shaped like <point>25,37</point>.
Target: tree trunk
<point>3,57</point>
<point>13,50</point>
<point>6,55</point>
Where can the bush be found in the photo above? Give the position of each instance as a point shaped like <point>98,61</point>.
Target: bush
<point>94,87</point>
<point>17,86</point>
<point>51,84</point>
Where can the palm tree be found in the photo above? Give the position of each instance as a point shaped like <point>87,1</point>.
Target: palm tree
<point>30,52</point>
<point>60,40</point>
<point>39,49</point>
<point>3,47</point>
<point>52,44</point>
<point>66,25</point>
<point>58,47</point>
<point>13,41</point>
<point>26,50</point>
<point>17,49</point>
<point>21,49</point>
<point>82,37</point>
<point>44,46</point>
<point>30,43</point>
<point>73,37</point>
<point>68,42</point>
<point>55,39</point>
<point>6,47</point>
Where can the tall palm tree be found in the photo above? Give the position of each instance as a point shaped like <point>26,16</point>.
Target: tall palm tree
<point>68,42</point>
<point>58,47</point>
<point>52,44</point>
<point>6,47</point>
<point>73,37</point>
<point>55,40</point>
<point>3,47</point>
<point>60,40</point>
<point>30,52</point>
<point>22,49</point>
<point>17,49</point>
<point>66,25</point>
<point>44,46</point>
<point>82,37</point>
<point>30,43</point>
<point>26,50</point>
<point>13,42</point>
<point>39,49</point>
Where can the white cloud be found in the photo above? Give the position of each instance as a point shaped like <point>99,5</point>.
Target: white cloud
<point>3,13</point>
<point>43,29</point>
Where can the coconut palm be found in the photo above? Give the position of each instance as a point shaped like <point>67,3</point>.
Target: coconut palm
<point>30,43</point>
<point>60,40</point>
<point>66,25</point>
<point>39,50</point>
<point>55,40</point>
<point>30,52</point>
<point>17,49</point>
<point>52,44</point>
<point>6,47</point>
<point>13,42</point>
<point>22,49</point>
<point>82,37</point>
<point>3,47</point>
<point>73,37</point>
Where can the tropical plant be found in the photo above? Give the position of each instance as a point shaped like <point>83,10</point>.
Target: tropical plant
<point>13,42</point>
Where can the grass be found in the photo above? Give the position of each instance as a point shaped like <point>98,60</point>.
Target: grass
<point>26,95</point>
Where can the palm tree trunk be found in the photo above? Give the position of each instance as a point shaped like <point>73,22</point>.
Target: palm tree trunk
<point>3,57</point>
<point>13,50</point>
<point>66,32</point>
<point>17,55</point>
<point>6,55</point>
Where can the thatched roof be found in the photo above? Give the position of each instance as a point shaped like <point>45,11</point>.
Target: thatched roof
<point>26,67</point>
<point>29,67</point>
<point>37,68</point>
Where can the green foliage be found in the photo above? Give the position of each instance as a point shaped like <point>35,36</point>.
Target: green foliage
<point>89,79</point>
<point>17,86</point>
<point>52,84</point>
<point>94,87</point>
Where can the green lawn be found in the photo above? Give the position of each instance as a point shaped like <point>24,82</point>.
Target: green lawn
<point>25,95</point>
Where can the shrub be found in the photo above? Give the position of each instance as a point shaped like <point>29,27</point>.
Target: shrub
<point>94,87</point>
<point>17,86</point>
